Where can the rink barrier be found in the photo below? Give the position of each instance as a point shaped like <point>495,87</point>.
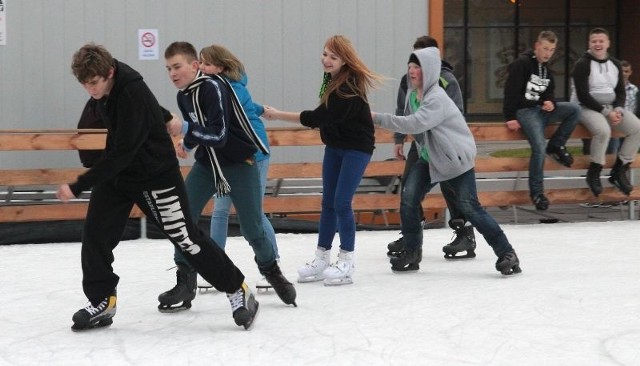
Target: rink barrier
<point>23,192</point>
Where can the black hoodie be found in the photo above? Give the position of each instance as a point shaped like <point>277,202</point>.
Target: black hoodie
<point>139,150</point>
<point>529,84</point>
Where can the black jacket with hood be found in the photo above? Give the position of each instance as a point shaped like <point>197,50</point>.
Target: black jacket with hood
<point>139,151</point>
<point>528,84</point>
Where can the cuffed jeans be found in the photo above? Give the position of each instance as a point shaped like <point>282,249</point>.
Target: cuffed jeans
<point>342,172</point>
<point>533,122</point>
<point>462,191</point>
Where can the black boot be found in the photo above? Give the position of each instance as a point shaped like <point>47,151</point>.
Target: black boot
<point>593,178</point>
<point>183,292</point>
<point>620,177</point>
<point>285,290</point>
<point>465,241</point>
<point>408,260</point>
<point>508,263</point>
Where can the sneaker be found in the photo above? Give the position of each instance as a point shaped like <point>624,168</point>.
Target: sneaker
<point>311,272</point>
<point>243,306</point>
<point>508,263</point>
<point>541,202</point>
<point>95,315</point>
<point>560,154</point>
<point>341,272</point>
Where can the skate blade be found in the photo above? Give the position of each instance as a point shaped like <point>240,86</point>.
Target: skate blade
<point>310,279</point>
<point>392,255</point>
<point>338,281</point>
<point>95,325</point>
<point>206,289</point>
<point>168,309</point>
<point>453,257</point>
<point>410,268</point>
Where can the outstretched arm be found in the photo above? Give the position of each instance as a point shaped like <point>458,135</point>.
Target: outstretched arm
<point>271,114</point>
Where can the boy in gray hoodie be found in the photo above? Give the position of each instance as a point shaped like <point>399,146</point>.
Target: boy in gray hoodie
<point>447,156</point>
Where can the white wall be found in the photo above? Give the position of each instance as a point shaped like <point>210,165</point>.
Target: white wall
<point>279,41</point>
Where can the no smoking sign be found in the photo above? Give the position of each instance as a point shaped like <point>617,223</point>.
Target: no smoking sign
<point>147,44</point>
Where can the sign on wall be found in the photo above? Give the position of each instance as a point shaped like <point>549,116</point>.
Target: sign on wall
<point>147,44</point>
<point>3,22</point>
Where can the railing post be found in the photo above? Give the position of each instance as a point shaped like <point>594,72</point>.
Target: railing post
<point>143,227</point>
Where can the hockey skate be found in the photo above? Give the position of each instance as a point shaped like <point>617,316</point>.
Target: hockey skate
<point>313,271</point>
<point>95,316</point>
<point>465,241</point>
<point>395,248</point>
<point>620,177</point>
<point>285,290</point>
<point>407,261</point>
<point>508,264</point>
<point>341,272</point>
<point>244,306</point>
<point>180,296</point>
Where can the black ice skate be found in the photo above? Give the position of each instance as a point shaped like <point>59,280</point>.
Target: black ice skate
<point>243,306</point>
<point>465,241</point>
<point>508,264</point>
<point>395,248</point>
<point>180,296</point>
<point>407,261</point>
<point>285,290</point>
<point>593,178</point>
<point>620,178</point>
<point>95,316</point>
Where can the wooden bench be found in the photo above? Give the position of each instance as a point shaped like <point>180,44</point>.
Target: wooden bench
<point>372,199</point>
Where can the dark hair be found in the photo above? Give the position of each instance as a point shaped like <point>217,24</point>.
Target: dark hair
<point>599,30</point>
<point>625,63</point>
<point>91,60</point>
<point>424,42</point>
<point>181,48</point>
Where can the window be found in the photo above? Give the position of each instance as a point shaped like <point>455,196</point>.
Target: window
<point>483,36</point>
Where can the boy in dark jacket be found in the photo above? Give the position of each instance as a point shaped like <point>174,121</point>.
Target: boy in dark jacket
<point>529,104</point>
<point>216,125</point>
<point>139,167</point>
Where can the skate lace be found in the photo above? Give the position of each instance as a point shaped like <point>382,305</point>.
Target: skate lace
<point>93,310</point>
<point>236,299</point>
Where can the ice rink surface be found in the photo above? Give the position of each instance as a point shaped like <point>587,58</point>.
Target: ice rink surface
<point>577,302</point>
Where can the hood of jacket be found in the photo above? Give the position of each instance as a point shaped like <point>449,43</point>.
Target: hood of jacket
<point>430,64</point>
<point>123,76</point>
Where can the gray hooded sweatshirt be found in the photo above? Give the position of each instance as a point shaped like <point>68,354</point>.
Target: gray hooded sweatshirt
<point>438,124</point>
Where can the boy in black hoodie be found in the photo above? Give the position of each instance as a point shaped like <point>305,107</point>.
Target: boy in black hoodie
<point>529,104</point>
<point>139,167</point>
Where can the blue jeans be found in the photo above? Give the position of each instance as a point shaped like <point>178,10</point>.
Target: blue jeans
<point>222,205</point>
<point>533,121</point>
<point>462,192</point>
<point>342,172</point>
<point>245,194</point>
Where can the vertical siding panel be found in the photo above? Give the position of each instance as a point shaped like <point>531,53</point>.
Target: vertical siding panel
<point>279,41</point>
